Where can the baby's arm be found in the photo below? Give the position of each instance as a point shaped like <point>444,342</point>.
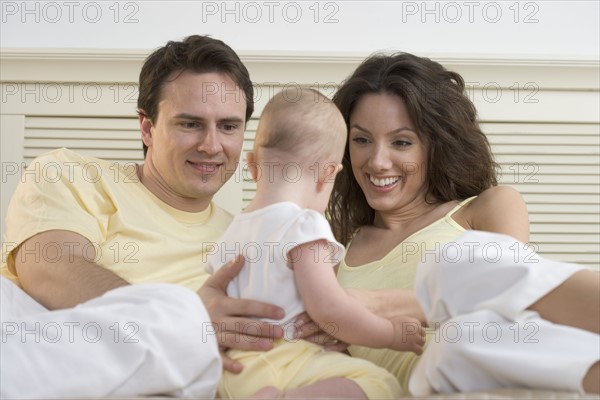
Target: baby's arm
<point>328,303</point>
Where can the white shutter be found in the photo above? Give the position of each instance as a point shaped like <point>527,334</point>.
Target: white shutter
<point>115,139</point>
<point>248,185</point>
<point>549,150</point>
<point>556,167</point>
<point>119,140</point>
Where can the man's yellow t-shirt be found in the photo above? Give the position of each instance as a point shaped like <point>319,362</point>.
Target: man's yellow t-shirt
<point>133,233</point>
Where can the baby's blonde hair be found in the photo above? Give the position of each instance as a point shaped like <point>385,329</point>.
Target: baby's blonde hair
<point>301,126</point>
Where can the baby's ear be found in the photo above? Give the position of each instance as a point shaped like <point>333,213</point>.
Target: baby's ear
<point>252,166</point>
<point>331,169</point>
<point>327,174</point>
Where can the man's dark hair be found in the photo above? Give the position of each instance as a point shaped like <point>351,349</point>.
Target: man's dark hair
<point>199,54</point>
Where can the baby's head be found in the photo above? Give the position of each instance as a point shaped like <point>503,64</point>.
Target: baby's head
<point>303,127</point>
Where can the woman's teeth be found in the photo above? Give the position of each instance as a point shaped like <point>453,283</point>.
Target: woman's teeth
<point>384,181</point>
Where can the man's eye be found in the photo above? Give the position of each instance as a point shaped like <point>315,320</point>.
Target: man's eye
<point>190,125</point>
<point>229,128</point>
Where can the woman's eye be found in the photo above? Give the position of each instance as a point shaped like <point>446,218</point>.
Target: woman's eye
<point>401,143</point>
<point>360,140</point>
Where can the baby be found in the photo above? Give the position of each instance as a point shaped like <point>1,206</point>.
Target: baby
<point>290,254</point>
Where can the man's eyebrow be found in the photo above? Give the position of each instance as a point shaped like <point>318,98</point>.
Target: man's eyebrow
<point>401,129</point>
<point>232,119</point>
<point>198,118</point>
<point>188,116</point>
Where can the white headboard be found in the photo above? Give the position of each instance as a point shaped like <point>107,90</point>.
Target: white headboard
<point>541,116</point>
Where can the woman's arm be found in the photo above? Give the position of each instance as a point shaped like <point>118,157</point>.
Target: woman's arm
<point>341,315</point>
<point>499,209</point>
<point>390,303</point>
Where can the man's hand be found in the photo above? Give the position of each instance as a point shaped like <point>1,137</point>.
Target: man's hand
<point>233,318</point>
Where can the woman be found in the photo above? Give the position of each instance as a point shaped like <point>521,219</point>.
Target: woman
<point>418,172</point>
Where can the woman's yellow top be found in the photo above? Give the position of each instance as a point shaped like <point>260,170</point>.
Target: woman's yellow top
<point>397,270</point>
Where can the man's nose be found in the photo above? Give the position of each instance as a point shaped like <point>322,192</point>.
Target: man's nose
<point>210,142</point>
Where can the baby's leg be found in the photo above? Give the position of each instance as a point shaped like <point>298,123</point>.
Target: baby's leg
<point>310,372</point>
<point>333,388</point>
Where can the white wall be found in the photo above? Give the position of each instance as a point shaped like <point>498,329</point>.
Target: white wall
<point>527,29</point>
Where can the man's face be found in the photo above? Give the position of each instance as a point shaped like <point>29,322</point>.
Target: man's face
<point>195,143</point>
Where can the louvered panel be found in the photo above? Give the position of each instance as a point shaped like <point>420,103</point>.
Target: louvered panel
<point>248,185</point>
<point>72,143</point>
<point>560,218</point>
<point>557,169</point>
<point>528,139</point>
<point>587,259</point>
<point>537,128</point>
<point>563,187</point>
<point>514,170</point>
<point>555,166</point>
<point>115,139</point>
<point>534,176</point>
<point>570,238</point>
<point>565,149</point>
<point>559,228</point>
<point>541,208</point>
<point>107,154</point>
<point>590,160</point>
<point>88,134</point>
<point>91,123</point>
<point>568,248</point>
<point>562,198</point>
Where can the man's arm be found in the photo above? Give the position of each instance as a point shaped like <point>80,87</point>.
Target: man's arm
<point>234,319</point>
<point>56,268</point>
<point>71,279</point>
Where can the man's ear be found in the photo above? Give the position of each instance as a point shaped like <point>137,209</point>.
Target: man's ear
<point>252,166</point>
<point>146,129</point>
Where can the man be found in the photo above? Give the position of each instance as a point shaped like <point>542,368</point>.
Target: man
<point>82,241</point>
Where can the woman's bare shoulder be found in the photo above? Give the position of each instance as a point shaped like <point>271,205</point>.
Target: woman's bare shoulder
<point>500,209</point>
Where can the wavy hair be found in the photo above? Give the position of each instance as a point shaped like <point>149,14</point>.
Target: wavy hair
<point>460,163</point>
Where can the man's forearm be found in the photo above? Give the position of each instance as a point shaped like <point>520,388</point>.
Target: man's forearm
<point>66,283</point>
<point>71,279</point>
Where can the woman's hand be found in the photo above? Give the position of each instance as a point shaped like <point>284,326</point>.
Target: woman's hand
<point>308,330</point>
<point>234,320</point>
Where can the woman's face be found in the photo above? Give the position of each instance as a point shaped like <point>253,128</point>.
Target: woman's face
<point>388,158</point>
